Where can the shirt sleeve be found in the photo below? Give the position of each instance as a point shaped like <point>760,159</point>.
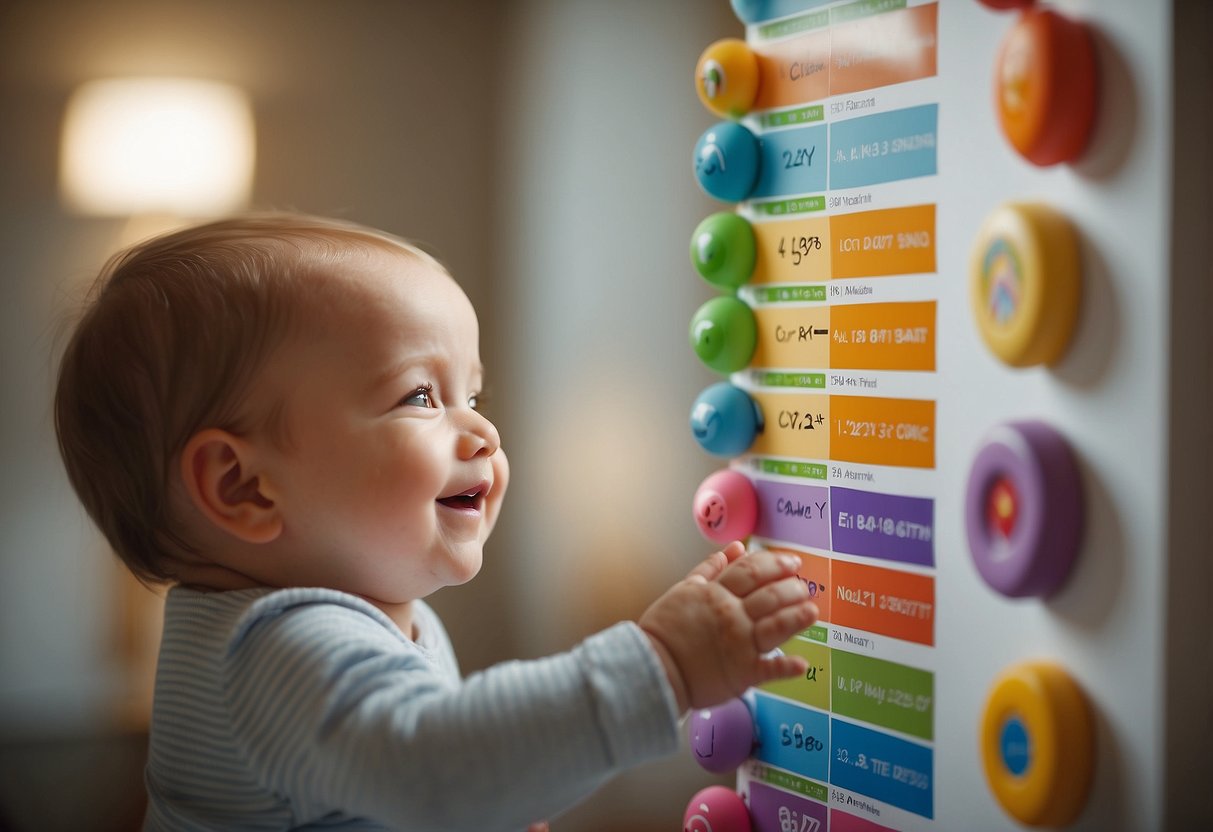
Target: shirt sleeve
<point>338,714</point>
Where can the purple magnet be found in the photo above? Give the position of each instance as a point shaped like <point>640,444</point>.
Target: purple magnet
<point>726,507</point>
<point>1024,509</point>
<point>716,809</point>
<point>722,737</point>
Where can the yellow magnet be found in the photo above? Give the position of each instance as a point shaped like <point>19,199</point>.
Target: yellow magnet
<point>726,78</point>
<point>1025,282</point>
<point>1037,744</point>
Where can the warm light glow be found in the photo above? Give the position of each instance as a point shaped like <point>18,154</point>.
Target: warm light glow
<point>157,145</point>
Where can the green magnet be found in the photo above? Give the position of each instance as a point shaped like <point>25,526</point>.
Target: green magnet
<point>724,333</point>
<point>723,250</point>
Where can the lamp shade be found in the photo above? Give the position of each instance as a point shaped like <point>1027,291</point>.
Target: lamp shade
<point>157,145</point>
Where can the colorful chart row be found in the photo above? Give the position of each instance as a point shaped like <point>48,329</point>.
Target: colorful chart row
<point>866,336</point>
<point>887,526</point>
<point>859,54</point>
<point>861,429</point>
<point>885,147</point>
<point>877,243</point>
<point>819,747</point>
<point>853,685</point>
<point>870,598</point>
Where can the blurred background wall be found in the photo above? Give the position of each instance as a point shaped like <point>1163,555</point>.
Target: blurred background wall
<point>540,148</point>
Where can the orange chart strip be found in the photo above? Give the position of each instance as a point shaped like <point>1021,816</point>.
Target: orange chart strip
<point>883,431</point>
<point>884,49</point>
<point>890,241</point>
<point>885,601</point>
<point>881,336</point>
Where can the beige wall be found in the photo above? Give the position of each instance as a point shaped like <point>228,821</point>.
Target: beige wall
<point>541,148</point>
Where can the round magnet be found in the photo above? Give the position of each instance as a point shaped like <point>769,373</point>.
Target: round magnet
<point>716,809</point>
<point>722,738</point>
<point>724,250</point>
<point>1037,744</point>
<point>726,161</point>
<point>726,507</point>
<point>1045,85</point>
<point>1025,283</point>
<point>724,334</point>
<point>1024,509</point>
<point>726,78</point>
<point>725,420</point>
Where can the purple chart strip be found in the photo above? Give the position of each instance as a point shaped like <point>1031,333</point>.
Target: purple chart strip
<point>886,526</point>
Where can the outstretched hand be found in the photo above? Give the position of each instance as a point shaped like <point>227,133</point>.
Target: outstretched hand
<point>715,630</point>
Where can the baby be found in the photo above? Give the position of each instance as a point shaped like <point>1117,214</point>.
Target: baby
<point>276,415</point>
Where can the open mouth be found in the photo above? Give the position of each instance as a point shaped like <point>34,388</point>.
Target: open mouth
<point>470,500</point>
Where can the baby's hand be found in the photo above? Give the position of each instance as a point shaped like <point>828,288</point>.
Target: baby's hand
<point>713,629</point>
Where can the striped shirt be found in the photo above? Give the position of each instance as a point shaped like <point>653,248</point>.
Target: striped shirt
<point>310,709</point>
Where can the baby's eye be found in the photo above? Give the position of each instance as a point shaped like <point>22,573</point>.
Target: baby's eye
<point>474,401</point>
<point>421,397</point>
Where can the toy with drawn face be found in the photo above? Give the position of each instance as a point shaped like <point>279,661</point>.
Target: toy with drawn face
<point>716,809</point>
<point>726,507</point>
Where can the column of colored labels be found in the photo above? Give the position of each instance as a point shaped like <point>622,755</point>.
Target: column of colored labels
<point>844,294</point>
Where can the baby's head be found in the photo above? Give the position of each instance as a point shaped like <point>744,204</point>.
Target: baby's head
<point>282,400</point>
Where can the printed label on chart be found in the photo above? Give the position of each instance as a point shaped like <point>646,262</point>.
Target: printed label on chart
<point>813,687</point>
<point>794,424</point>
<point>794,513</point>
<point>886,526</point>
<point>883,336</point>
<point>884,49</point>
<point>792,737</point>
<point>798,336</point>
<point>883,601</point>
<point>792,162</point>
<point>882,431</point>
<point>885,147</point>
<point>887,768</point>
<point>884,242</point>
<point>772,810</point>
<point>792,251</point>
<point>794,71</point>
<point>883,693</point>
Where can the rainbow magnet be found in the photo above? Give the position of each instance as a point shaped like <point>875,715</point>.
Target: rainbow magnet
<point>1024,509</point>
<point>724,334</point>
<point>725,420</point>
<point>722,738</point>
<point>726,507</point>
<point>1025,283</point>
<point>1045,83</point>
<point>1037,744</point>
<point>726,78</point>
<point>724,250</point>
<point>727,161</point>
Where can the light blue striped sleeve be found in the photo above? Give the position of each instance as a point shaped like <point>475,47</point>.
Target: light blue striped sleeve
<point>338,713</point>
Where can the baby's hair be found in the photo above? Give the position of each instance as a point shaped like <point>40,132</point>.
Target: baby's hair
<point>172,335</point>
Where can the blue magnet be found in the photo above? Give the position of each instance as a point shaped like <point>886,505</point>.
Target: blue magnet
<point>726,161</point>
<point>725,420</point>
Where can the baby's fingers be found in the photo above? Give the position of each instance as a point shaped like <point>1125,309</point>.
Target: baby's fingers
<point>757,569</point>
<point>711,567</point>
<point>778,627</point>
<point>780,666</point>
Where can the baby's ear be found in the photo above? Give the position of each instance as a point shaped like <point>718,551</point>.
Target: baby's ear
<point>221,477</point>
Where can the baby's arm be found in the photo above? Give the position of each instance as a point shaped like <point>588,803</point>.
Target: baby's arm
<point>713,631</point>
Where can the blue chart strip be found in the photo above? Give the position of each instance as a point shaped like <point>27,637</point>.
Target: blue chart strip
<point>883,767</point>
<point>884,147</point>
<point>792,737</point>
<point>792,162</point>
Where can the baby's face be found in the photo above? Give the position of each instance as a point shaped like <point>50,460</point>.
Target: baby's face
<point>392,480</point>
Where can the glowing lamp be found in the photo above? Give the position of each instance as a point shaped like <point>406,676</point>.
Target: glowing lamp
<point>157,145</point>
